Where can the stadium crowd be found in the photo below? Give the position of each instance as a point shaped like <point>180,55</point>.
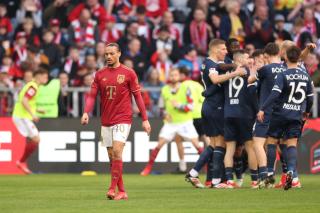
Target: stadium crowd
<point>67,38</point>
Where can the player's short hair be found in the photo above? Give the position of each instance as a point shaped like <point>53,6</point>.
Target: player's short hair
<point>238,54</point>
<point>293,54</point>
<point>272,49</point>
<point>40,72</point>
<point>184,70</point>
<point>286,44</point>
<point>112,44</point>
<point>257,53</point>
<point>216,42</point>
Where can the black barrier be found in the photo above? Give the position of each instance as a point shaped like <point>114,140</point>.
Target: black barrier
<point>67,146</point>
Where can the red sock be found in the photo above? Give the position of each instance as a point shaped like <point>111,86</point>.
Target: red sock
<point>120,183</point>
<point>29,149</point>
<point>115,173</point>
<point>153,156</point>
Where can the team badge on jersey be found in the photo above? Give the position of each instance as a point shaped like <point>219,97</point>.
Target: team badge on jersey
<point>120,79</point>
<point>104,79</point>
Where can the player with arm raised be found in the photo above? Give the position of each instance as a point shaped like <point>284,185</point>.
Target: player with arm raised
<point>212,114</point>
<point>116,84</point>
<point>292,91</point>
<point>24,114</point>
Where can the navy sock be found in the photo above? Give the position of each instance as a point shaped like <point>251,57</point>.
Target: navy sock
<point>292,158</point>
<point>271,157</point>
<point>203,158</point>
<point>210,168</point>
<point>295,173</point>
<point>238,167</point>
<point>218,157</point>
<point>254,174</point>
<point>263,172</point>
<point>283,157</point>
<point>229,173</point>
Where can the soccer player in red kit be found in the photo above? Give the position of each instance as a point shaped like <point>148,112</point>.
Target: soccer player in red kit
<point>116,84</point>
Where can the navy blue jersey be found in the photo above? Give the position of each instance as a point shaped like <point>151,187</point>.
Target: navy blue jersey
<point>237,103</point>
<point>266,77</point>
<point>292,88</point>
<point>212,92</point>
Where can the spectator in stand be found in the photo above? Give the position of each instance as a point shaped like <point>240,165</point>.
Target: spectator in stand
<point>109,33</point>
<point>83,33</point>
<point>168,21</point>
<point>72,62</point>
<point>131,32</point>
<point>91,63</point>
<point>232,26</point>
<point>100,55</point>
<point>36,59</point>
<point>280,34</point>
<point>20,48</point>
<point>128,62</point>
<point>259,28</point>
<point>124,9</point>
<point>5,97</point>
<point>301,35</point>
<point>58,9</point>
<point>249,48</point>
<point>5,80</point>
<point>215,25</point>
<point>60,38</point>
<point>191,62</point>
<point>64,96</point>
<point>139,59</point>
<point>5,46</point>
<point>162,64</point>
<point>164,42</point>
<point>95,8</point>
<point>31,33</point>
<point>77,81</point>
<point>311,24</point>
<point>199,32</point>
<point>145,26</point>
<point>154,9</point>
<point>30,8</point>
<point>4,20</point>
<point>52,51</point>
<point>153,81</point>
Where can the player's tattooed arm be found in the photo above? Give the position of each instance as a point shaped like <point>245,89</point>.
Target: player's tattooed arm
<point>309,47</point>
<point>218,79</point>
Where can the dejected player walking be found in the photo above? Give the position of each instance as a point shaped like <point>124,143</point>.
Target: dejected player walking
<point>116,84</point>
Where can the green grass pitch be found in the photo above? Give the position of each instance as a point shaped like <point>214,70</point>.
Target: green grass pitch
<point>159,193</point>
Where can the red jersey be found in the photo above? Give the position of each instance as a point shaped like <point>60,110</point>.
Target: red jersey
<point>116,87</point>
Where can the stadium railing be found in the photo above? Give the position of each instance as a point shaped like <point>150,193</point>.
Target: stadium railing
<point>74,94</point>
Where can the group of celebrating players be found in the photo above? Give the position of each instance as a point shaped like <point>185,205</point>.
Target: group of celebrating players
<point>248,106</point>
<point>252,105</point>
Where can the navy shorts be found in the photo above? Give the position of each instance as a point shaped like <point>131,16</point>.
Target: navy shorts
<point>286,129</point>
<point>238,129</point>
<point>198,124</point>
<point>212,120</point>
<point>260,129</point>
